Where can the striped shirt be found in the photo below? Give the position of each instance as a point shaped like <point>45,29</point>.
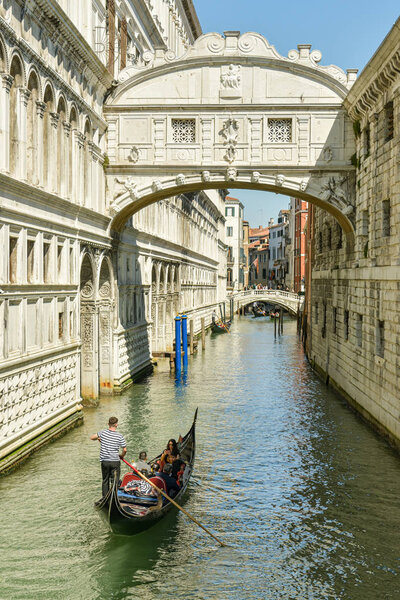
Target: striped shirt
<point>110,443</point>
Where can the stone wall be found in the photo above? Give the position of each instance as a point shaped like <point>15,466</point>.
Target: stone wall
<point>354,339</point>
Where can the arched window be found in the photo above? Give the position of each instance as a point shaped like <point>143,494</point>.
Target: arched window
<point>72,175</point>
<point>17,73</point>
<point>48,100</point>
<point>61,143</point>
<point>32,130</point>
<point>87,173</point>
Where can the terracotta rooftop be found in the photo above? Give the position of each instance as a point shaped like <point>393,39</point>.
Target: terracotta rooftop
<point>258,231</point>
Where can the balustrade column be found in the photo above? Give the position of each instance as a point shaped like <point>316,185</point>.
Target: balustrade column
<point>40,108</point>
<point>5,88</point>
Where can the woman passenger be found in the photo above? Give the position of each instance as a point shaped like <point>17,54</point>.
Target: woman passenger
<point>170,454</point>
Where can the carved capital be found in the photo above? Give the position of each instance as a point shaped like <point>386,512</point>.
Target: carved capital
<point>7,81</point>
<point>54,118</point>
<point>80,138</point>
<point>24,94</point>
<point>67,128</point>
<point>40,108</point>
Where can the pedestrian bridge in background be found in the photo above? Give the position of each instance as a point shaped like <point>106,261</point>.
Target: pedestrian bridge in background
<point>290,301</point>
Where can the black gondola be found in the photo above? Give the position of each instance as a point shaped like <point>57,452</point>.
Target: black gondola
<point>220,326</point>
<point>128,516</point>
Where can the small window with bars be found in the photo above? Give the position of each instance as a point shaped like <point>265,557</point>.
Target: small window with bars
<point>389,121</point>
<point>279,130</point>
<point>184,131</point>
<point>386,218</point>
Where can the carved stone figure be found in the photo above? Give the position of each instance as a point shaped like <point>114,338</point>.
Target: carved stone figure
<point>332,190</point>
<point>230,153</point>
<point>157,185</point>
<point>303,185</point>
<point>230,131</point>
<point>279,180</point>
<point>231,79</point>
<point>206,176</point>
<point>180,179</point>
<point>231,174</point>
<point>255,177</point>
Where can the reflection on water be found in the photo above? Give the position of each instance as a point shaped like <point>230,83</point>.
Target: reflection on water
<point>305,495</point>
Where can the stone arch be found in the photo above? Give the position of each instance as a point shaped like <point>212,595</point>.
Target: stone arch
<point>15,126</point>
<point>62,146</point>
<point>3,56</point>
<point>105,293</point>
<point>32,127</point>
<point>48,142</point>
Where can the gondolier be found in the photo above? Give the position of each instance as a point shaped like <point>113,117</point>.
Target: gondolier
<point>110,443</point>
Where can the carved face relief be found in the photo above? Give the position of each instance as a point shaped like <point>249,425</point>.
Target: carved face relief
<point>206,176</point>
<point>180,179</point>
<point>231,174</point>
<point>255,177</point>
<point>279,180</point>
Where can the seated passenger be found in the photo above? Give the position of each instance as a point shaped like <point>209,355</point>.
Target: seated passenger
<point>142,465</point>
<point>170,454</point>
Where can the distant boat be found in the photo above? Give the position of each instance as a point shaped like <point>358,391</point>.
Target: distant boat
<point>259,312</point>
<point>130,514</point>
<point>220,326</point>
<point>274,314</point>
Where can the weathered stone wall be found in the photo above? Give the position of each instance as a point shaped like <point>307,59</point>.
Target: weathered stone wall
<point>355,302</point>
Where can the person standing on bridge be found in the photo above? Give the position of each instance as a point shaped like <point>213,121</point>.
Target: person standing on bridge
<point>110,443</point>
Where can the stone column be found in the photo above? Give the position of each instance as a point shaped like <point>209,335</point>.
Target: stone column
<point>23,98</point>
<point>79,167</point>
<point>89,350</point>
<point>54,159</point>
<point>40,108</point>
<point>5,88</point>
<point>65,192</point>
<point>105,348</point>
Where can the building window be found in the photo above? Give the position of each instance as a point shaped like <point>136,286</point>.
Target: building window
<point>229,231</point>
<point>329,238</point>
<point>184,131</point>
<point>339,244</point>
<point>229,211</point>
<point>386,218</point>
<point>359,321</point>
<point>346,324</point>
<point>279,130</point>
<point>323,331</point>
<point>264,273</point>
<point>316,312</point>
<point>30,260</point>
<point>380,339</point>
<point>334,319</point>
<point>367,141</point>
<point>389,121</point>
<point>46,262</point>
<point>13,254</point>
<point>364,222</point>
<point>320,241</point>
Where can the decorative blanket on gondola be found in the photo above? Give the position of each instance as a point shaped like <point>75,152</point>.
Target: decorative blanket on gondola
<point>138,487</point>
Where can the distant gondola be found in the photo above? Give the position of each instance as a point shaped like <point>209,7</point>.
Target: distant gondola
<point>258,312</point>
<point>274,314</point>
<point>128,515</point>
<point>220,326</point>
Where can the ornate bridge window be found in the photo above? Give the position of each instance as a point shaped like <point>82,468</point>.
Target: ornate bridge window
<point>279,130</point>
<point>184,131</point>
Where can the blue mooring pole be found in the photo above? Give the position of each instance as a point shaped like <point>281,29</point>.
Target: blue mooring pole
<point>178,360</point>
<point>184,342</point>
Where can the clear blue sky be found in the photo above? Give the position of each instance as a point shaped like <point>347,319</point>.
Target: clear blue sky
<point>346,32</point>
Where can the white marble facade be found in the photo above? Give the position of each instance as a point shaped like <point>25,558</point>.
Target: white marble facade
<point>76,303</point>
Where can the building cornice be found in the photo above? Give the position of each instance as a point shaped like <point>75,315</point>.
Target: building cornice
<point>377,77</point>
<point>62,31</point>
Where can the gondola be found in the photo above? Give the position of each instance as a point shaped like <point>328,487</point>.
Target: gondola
<point>274,315</point>
<point>130,515</point>
<point>220,326</point>
<point>257,312</point>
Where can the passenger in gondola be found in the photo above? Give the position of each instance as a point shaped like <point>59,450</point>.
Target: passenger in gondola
<point>173,478</point>
<point>170,454</point>
<point>142,465</point>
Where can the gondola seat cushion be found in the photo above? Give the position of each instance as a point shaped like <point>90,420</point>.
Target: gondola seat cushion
<point>127,478</point>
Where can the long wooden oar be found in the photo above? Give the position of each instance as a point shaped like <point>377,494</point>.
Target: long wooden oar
<point>173,501</point>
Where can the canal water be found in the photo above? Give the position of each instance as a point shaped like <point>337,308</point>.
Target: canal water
<point>305,495</point>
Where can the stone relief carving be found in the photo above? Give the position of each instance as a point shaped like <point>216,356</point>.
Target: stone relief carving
<point>134,155</point>
<point>130,186</point>
<point>231,174</point>
<point>328,154</point>
<point>231,78</point>
<point>230,132</point>
<point>279,180</point>
<point>156,186</point>
<point>303,185</point>
<point>338,191</point>
<point>255,177</point>
<point>180,179</point>
<point>87,290</point>
<point>206,176</point>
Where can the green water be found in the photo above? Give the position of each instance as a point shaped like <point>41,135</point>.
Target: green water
<point>304,494</point>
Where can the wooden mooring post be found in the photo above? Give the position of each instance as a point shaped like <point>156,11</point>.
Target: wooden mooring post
<point>275,325</point>
<point>281,320</point>
<point>191,335</point>
<point>203,334</point>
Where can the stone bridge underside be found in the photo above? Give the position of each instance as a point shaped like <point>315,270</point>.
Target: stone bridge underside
<point>291,302</point>
<point>231,113</point>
